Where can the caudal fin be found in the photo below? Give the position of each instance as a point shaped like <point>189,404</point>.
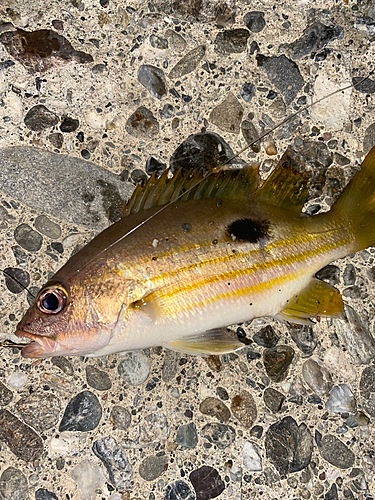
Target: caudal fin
<point>357,204</point>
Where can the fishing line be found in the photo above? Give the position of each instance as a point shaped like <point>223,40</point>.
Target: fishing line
<point>218,169</point>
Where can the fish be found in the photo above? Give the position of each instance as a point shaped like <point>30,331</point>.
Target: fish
<point>194,253</point>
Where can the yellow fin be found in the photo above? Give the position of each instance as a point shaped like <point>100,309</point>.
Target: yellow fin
<point>234,184</point>
<point>217,341</point>
<point>317,299</point>
<point>286,187</point>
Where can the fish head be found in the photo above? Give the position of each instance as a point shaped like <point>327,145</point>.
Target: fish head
<point>73,318</point>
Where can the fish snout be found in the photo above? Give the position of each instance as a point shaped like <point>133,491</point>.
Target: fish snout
<point>39,347</point>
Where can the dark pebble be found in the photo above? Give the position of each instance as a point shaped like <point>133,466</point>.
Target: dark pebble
<point>206,482</point>
<point>254,21</point>
<point>305,338</point>
<point>85,154</point>
<point>98,379</point>
<point>69,124</point>
<point>155,165</point>
<point>19,254</point>
<point>58,24</point>
<point>99,69</point>
<point>152,467</point>
<point>6,395</point>
<point>277,361</point>
<point>40,411</point>
<point>203,150</point>
<point>244,408</point>
<point>330,274</point>
<point>364,86</point>
<point>349,275</point>
<point>284,74</point>
<point>13,485</point>
<point>215,408</point>
<point>27,238</point>
<point>187,436</point>
<point>367,388</point>
<point>353,292</point>
<point>115,461</point>
<point>43,494</point>
<point>57,247</point>
<point>336,452</point>
<point>16,280</point>
<point>273,399</point>
<point>6,64</point>
<point>251,135</point>
<point>247,91</point>
<point>178,490</point>
<point>22,441</point>
<point>40,118</point>
<point>153,79</point>
<point>220,435</point>
<point>120,417</point>
<point>369,138</point>
<point>256,431</point>
<point>266,337</point>
<point>314,38</point>
<point>332,493</point>
<point>142,124</point>
<point>222,393</point>
<point>56,139</point>
<point>231,41</point>
<point>288,446</point>
<point>252,355</point>
<point>41,50</point>
<point>64,364</point>
<point>82,413</point>
<point>188,63</point>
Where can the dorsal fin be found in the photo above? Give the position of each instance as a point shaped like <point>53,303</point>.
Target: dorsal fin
<point>236,184</point>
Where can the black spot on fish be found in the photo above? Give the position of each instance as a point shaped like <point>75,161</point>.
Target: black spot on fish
<point>248,230</point>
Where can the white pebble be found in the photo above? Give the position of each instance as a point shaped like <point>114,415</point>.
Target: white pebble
<point>338,362</point>
<point>95,120</point>
<point>251,458</point>
<point>17,380</point>
<point>89,479</point>
<point>72,240</point>
<point>341,400</point>
<point>67,443</point>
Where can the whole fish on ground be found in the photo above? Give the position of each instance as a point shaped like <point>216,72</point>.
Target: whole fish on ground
<point>193,254</point>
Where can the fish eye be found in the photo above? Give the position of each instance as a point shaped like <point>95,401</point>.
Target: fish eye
<point>52,301</point>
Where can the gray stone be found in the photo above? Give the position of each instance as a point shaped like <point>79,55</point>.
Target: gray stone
<point>64,364</point>
<point>40,411</point>
<point>16,280</point>
<point>188,63</point>
<point>367,388</point>
<point>44,494</point>
<point>369,138</point>
<point>170,365</point>
<point>45,226</point>
<point>273,399</point>
<point>247,91</point>
<point>6,395</point>
<point>134,367</point>
<point>22,441</point>
<point>116,462</point>
<point>305,338</point>
<point>153,79</point>
<point>288,445</point>
<point>27,238</point>
<point>228,114</point>
<point>176,41</point>
<point>158,42</point>
<point>187,436</point>
<point>284,74</point>
<point>266,337</point>
<point>13,485</point>
<point>356,336</point>
<point>178,490</point>
<point>120,417</point>
<point>254,20</point>
<point>251,135</point>
<point>152,467</point>
<point>317,377</point>
<point>142,124</point>
<point>220,435</point>
<point>47,182</point>
<point>315,36</point>
<point>349,275</point>
<point>98,379</point>
<point>153,428</point>
<point>82,413</point>
<point>336,452</point>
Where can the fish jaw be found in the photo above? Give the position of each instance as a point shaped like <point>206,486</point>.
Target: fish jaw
<point>40,346</point>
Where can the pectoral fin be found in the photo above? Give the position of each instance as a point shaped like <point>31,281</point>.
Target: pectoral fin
<point>317,299</point>
<point>217,341</point>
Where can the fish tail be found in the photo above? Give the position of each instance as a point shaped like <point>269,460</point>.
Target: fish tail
<point>357,204</point>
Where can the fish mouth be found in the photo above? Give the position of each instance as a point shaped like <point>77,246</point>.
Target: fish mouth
<point>40,346</point>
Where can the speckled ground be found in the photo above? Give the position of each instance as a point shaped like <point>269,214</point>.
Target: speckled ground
<point>118,88</point>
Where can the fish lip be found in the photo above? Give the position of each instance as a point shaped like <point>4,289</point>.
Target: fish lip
<point>41,346</point>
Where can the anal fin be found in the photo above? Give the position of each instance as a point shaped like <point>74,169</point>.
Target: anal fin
<point>317,299</point>
<point>216,341</point>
